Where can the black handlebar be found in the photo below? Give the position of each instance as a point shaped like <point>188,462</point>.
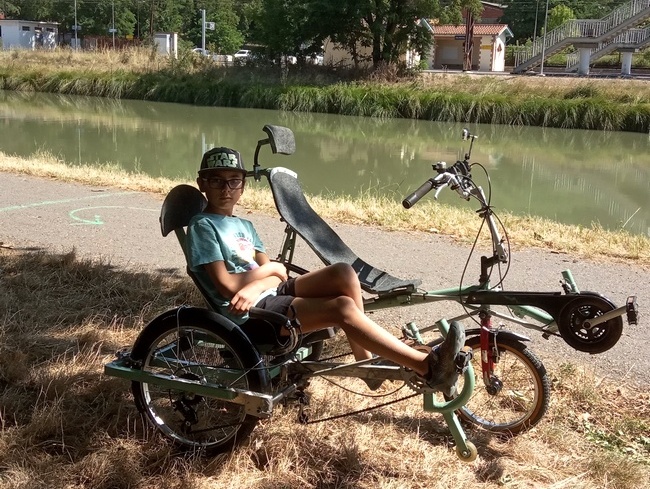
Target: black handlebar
<point>460,169</point>
<point>424,189</point>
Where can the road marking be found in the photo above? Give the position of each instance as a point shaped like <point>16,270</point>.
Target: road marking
<point>64,201</point>
<point>97,220</point>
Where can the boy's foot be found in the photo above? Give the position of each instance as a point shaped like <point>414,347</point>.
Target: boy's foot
<point>447,361</point>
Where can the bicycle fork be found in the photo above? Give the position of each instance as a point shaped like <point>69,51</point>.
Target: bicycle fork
<point>489,354</point>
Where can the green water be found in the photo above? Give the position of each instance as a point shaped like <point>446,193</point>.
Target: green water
<point>572,176</point>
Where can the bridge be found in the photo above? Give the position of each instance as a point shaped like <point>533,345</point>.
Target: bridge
<point>593,38</point>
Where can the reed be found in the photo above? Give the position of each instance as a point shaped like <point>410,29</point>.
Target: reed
<point>610,105</point>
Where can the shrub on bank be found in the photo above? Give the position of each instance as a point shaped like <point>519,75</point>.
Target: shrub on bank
<point>524,101</point>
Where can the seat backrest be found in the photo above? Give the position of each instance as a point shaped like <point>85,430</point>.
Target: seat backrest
<point>181,204</point>
<point>322,239</point>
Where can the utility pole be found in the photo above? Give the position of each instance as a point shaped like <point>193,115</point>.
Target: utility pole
<point>541,69</point>
<point>536,12</point>
<point>113,28</point>
<point>203,31</point>
<point>152,18</point>
<point>76,27</point>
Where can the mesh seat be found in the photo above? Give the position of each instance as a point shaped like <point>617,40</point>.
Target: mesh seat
<point>323,240</point>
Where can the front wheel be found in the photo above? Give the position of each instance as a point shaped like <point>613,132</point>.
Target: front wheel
<point>193,347</point>
<point>519,393</point>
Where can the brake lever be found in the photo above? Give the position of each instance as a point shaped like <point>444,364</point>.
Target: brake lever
<point>435,196</point>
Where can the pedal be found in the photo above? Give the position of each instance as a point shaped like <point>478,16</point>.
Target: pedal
<point>463,360</point>
<point>632,310</point>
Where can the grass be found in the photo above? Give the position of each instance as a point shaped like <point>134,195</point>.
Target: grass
<point>591,242</point>
<point>63,424</point>
<point>613,104</point>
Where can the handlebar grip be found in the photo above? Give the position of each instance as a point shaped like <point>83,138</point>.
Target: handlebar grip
<point>424,189</point>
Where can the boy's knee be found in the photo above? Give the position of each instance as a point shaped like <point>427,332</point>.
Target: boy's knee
<point>345,273</point>
<point>346,308</point>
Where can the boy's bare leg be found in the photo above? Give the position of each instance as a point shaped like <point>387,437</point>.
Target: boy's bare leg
<point>333,281</point>
<point>319,313</point>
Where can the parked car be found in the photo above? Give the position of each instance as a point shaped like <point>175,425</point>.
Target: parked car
<point>316,59</point>
<point>223,59</point>
<point>242,54</point>
<point>201,51</point>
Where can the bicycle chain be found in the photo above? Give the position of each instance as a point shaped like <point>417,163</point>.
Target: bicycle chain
<point>352,413</point>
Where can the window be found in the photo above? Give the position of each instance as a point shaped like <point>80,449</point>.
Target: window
<point>49,29</point>
<point>0,31</point>
<point>25,28</point>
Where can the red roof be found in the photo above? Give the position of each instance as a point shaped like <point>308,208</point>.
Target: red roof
<point>459,30</point>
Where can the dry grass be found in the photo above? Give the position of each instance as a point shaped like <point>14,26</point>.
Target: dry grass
<point>139,60</point>
<point>142,60</point>
<point>63,424</point>
<point>369,210</point>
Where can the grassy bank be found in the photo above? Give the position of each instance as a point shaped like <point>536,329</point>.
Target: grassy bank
<point>620,105</point>
<point>428,216</point>
<point>66,425</point>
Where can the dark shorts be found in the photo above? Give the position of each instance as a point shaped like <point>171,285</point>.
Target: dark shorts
<point>280,303</point>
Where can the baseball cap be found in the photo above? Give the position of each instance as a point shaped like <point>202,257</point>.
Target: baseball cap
<point>222,159</point>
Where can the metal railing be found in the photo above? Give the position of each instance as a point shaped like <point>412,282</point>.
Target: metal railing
<point>633,38</point>
<point>574,29</point>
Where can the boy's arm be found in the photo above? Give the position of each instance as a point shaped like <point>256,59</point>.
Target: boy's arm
<point>244,288</point>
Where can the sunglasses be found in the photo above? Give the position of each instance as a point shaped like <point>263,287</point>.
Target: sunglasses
<point>220,183</point>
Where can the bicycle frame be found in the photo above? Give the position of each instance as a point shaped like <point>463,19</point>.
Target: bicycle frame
<point>538,311</point>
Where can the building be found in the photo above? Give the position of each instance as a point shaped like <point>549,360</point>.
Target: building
<point>492,13</point>
<point>488,53</point>
<point>166,43</point>
<point>28,34</point>
<point>488,45</point>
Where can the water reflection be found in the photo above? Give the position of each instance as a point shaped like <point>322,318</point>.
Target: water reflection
<point>571,176</point>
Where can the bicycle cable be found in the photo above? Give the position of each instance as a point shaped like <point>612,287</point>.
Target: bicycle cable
<point>488,210</point>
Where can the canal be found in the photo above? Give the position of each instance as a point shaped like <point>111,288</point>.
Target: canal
<point>571,176</point>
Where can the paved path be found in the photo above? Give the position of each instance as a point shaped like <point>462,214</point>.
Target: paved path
<point>122,227</point>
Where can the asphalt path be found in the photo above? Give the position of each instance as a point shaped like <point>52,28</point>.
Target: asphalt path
<point>121,227</point>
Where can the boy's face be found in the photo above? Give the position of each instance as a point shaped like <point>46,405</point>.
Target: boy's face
<point>218,188</point>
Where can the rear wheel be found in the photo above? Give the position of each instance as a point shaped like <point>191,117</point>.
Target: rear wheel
<point>193,348</point>
<point>519,394</point>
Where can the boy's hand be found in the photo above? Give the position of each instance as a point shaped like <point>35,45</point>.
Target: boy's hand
<point>243,300</point>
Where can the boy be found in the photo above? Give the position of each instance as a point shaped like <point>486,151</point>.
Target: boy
<point>228,258</point>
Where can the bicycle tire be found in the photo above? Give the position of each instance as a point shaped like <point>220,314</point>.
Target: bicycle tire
<point>190,421</point>
<point>525,394</point>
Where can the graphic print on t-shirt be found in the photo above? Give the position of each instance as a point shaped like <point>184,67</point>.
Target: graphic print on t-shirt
<point>243,253</point>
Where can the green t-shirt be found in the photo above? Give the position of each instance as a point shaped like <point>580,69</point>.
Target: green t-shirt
<point>213,237</point>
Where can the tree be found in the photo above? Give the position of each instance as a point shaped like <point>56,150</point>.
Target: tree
<point>559,15</point>
<point>9,9</point>
<point>385,27</point>
<point>226,37</point>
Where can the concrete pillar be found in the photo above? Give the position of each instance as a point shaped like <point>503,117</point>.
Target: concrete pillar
<point>626,63</point>
<point>585,54</point>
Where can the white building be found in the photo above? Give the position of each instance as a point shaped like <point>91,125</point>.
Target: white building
<point>166,43</point>
<point>488,43</point>
<point>28,34</point>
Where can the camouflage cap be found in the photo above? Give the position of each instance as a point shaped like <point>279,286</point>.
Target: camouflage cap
<point>222,159</point>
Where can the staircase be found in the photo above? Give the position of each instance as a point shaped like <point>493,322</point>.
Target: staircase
<point>632,39</point>
<point>598,31</point>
